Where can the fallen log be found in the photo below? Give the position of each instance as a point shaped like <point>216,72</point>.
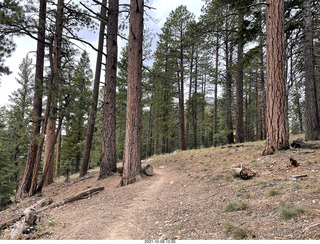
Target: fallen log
<point>146,169</point>
<point>304,144</point>
<point>243,173</point>
<point>28,213</point>
<point>295,177</point>
<point>78,196</point>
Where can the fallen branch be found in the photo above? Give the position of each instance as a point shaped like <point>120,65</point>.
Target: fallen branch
<point>303,144</point>
<point>314,225</point>
<point>302,151</point>
<point>76,197</point>
<point>295,177</point>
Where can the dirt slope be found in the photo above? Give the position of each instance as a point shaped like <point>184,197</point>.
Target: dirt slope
<point>193,195</point>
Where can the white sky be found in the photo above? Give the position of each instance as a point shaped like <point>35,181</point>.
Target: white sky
<point>25,45</point>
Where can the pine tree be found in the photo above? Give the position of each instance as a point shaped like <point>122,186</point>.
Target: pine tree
<point>132,147</point>
<point>19,117</point>
<point>277,122</point>
<point>76,118</point>
<point>95,95</point>
<point>7,171</point>
<point>109,152</point>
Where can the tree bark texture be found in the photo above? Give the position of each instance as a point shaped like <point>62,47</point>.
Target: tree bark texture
<point>132,147</point>
<point>277,125</point>
<point>230,138</point>
<point>239,84</point>
<point>216,94</point>
<point>51,127</point>
<point>109,154</point>
<point>312,121</point>
<point>95,95</point>
<point>181,104</point>
<point>51,103</point>
<point>37,102</point>
<point>263,94</point>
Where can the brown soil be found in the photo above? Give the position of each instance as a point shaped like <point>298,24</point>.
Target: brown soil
<point>190,196</point>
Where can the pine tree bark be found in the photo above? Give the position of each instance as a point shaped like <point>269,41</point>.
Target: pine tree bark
<point>51,104</point>
<point>194,107</point>
<point>181,103</point>
<point>263,96</point>
<point>239,84</point>
<point>277,118</point>
<point>312,121</point>
<point>132,147</point>
<point>37,102</point>
<point>95,96</point>
<point>109,154</point>
<point>189,97</point>
<point>230,138</point>
<point>51,127</point>
<point>216,94</point>
<point>57,164</point>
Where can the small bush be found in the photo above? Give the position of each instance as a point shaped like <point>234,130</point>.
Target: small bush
<point>178,225</point>
<point>235,206</point>
<point>229,226</point>
<point>287,211</point>
<point>240,234</point>
<point>272,192</point>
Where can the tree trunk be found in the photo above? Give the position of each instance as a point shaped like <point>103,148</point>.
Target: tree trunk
<point>181,105</point>
<point>189,98</point>
<point>56,173</point>
<point>47,167</point>
<point>37,102</point>
<point>51,103</point>
<point>95,95</point>
<point>312,121</point>
<point>230,138</point>
<point>216,94</point>
<point>132,147</point>
<point>194,106</point>
<point>277,118</point>
<point>239,84</point>
<point>51,127</point>
<point>257,111</point>
<point>109,154</point>
<point>263,92</point>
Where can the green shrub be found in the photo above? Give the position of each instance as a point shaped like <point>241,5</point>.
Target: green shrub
<point>288,211</point>
<point>228,226</point>
<point>240,234</point>
<point>235,206</point>
<point>272,192</point>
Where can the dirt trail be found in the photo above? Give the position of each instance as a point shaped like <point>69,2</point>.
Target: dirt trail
<point>131,217</point>
<point>115,213</point>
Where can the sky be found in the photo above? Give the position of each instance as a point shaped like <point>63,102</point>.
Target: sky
<point>25,45</point>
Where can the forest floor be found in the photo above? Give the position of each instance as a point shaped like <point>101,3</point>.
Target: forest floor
<point>192,195</point>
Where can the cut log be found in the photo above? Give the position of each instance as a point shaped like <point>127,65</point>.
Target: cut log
<point>304,144</point>
<point>19,228</point>
<point>147,169</point>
